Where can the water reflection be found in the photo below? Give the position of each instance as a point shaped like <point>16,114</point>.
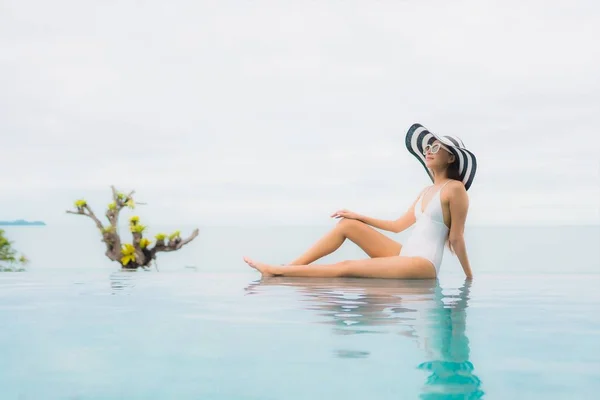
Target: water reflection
<point>419,310</point>
<point>122,282</point>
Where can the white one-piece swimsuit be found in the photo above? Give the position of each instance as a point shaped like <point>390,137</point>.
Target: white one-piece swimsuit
<point>429,236</point>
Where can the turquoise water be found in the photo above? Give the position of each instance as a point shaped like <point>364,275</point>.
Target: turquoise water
<point>206,326</point>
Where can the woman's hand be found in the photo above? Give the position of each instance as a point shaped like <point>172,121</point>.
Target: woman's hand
<point>345,214</point>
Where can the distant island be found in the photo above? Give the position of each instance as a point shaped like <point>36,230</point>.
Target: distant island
<point>21,222</point>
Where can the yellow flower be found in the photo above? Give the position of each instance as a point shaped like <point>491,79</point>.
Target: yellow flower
<point>137,228</point>
<point>128,252</point>
<point>160,236</point>
<point>80,203</point>
<point>174,235</point>
<point>130,204</point>
<point>145,243</point>
<point>134,220</point>
<point>112,206</point>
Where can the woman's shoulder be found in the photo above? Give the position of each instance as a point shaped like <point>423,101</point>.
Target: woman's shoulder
<point>456,192</point>
<point>455,185</point>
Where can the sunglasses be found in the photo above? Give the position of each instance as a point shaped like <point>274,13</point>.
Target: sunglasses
<point>434,148</point>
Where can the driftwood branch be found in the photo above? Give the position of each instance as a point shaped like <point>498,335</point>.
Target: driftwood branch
<point>89,213</point>
<point>109,236</point>
<point>138,253</point>
<point>120,202</point>
<point>172,245</point>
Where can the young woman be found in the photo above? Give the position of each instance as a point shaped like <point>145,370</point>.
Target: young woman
<point>438,213</point>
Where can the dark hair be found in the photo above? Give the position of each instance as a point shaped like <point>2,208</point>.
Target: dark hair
<point>452,171</point>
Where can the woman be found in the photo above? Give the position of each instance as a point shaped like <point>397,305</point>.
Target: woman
<point>439,215</point>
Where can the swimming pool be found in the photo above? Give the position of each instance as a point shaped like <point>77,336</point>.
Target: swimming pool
<point>187,334</point>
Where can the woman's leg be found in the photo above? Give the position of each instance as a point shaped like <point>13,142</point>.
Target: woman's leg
<point>396,267</point>
<point>371,241</point>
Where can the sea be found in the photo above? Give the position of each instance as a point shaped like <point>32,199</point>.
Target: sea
<point>201,324</point>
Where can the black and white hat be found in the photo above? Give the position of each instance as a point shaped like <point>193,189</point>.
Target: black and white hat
<point>418,137</point>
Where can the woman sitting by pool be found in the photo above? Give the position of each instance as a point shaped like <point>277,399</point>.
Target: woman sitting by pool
<point>439,214</point>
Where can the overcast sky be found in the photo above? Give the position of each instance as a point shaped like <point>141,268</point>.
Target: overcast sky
<point>234,112</point>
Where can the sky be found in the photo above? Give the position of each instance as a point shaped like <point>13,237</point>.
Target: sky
<point>264,112</point>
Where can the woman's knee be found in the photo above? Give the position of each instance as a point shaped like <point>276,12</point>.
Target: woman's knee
<point>346,225</point>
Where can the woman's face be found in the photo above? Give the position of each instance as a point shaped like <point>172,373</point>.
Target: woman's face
<point>437,155</point>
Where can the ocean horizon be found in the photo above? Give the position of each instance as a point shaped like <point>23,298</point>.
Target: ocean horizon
<point>492,249</point>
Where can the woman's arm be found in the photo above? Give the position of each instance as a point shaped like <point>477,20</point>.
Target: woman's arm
<point>397,225</point>
<point>459,206</point>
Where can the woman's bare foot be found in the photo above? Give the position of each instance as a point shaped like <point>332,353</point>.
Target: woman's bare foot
<point>264,269</point>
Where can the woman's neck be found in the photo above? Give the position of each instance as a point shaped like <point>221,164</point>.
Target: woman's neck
<point>439,177</point>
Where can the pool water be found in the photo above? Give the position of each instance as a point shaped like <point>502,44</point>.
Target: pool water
<point>105,334</point>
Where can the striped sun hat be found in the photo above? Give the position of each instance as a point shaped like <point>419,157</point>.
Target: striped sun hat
<point>418,137</point>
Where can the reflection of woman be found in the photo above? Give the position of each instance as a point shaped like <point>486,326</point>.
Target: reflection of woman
<point>439,214</point>
<point>436,321</point>
<point>447,349</point>
<point>357,305</point>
